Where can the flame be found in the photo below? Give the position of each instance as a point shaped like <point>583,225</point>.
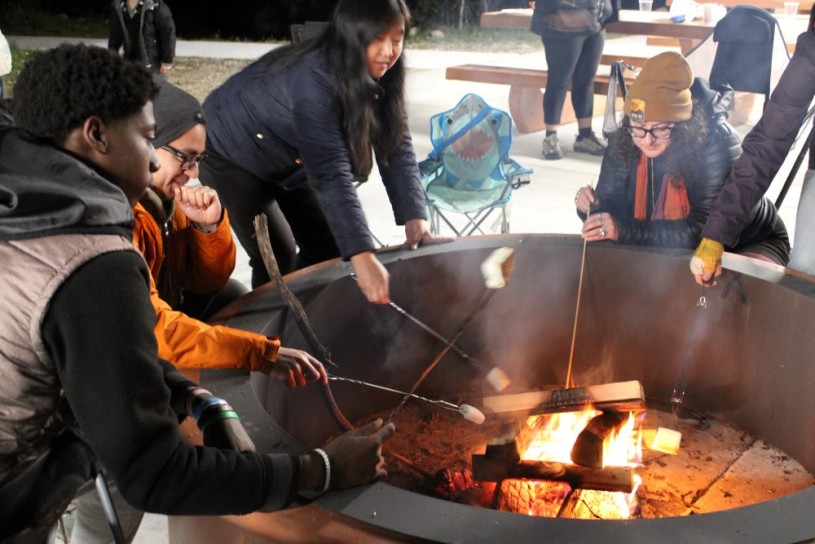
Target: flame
<point>552,439</point>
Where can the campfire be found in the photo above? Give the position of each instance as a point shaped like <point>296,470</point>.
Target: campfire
<point>572,457</point>
<point>526,465</point>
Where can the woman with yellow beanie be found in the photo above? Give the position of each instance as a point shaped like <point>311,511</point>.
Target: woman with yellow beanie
<point>665,167</point>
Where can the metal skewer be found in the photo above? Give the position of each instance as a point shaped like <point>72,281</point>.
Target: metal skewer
<point>470,413</point>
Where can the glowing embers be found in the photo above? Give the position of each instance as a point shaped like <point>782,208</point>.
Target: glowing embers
<point>717,467</point>
<point>607,491</point>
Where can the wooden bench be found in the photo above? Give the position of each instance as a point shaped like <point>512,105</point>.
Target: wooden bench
<point>525,84</point>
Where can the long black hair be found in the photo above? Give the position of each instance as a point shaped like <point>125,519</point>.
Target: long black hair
<point>373,119</point>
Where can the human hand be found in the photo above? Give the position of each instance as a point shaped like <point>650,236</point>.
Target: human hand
<point>356,456</point>
<point>165,68</point>
<point>417,233</point>
<point>600,226</point>
<point>228,434</point>
<point>706,262</point>
<point>200,204</point>
<point>586,199</point>
<point>296,368</point>
<point>372,277</point>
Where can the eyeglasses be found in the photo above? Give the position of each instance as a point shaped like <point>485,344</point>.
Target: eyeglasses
<point>187,161</point>
<point>659,133</point>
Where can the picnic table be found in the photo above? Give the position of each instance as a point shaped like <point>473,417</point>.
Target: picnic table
<point>689,33</point>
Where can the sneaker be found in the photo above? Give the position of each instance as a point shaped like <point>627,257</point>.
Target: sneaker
<point>590,144</point>
<point>551,148</point>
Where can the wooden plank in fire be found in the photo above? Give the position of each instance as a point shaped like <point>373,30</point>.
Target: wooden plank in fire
<point>622,396</point>
<point>486,469</point>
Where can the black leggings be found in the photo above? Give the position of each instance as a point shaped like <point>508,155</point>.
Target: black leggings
<point>571,60</point>
<point>295,218</point>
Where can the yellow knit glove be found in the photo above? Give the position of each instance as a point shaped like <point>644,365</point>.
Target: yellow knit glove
<point>707,257</point>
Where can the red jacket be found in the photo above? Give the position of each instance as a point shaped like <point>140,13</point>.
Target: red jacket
<point>201,263</point>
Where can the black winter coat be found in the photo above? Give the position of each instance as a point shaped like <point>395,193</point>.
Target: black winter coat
<point>764,149</point>
<point>616,187</point>
<point>155,44</point>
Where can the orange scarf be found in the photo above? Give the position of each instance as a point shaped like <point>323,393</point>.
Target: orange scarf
<point>672,203</point>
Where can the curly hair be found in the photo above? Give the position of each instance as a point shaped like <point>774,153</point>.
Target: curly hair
<point>687,140</point>
<point>60,88</point>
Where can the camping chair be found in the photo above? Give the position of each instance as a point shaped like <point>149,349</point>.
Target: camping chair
<point>469,172</point>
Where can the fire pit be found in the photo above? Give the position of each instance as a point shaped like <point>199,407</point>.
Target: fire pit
<point>751,369</point>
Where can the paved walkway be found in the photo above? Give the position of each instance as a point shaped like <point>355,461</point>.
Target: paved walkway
<point>546,205</point>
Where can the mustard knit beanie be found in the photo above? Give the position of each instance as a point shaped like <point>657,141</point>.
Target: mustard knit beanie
<point>661,91</point>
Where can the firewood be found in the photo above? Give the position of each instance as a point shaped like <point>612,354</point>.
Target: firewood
<point>622,396</point>
<point>608,479</point>
<point>588,447</point>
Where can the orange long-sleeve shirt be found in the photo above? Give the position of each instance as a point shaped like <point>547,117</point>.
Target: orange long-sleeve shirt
<point>201,263</point>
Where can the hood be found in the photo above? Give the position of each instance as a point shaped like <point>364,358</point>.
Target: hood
<point>716,101</point>
<point>46,190</point>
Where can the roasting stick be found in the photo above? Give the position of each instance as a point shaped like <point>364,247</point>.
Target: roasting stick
<point>577,309</point>
<point>496,377</point>
<point>495,269</point>
<point>681,384</point>
<point>470,413</point>
<point>265,246</point>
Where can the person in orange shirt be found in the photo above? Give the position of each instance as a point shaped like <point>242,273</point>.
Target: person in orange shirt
<point>184,234</point>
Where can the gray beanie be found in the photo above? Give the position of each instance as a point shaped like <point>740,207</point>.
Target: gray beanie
<point>176,112</point>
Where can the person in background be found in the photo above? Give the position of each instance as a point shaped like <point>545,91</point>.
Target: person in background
<point>764,150</point>
<point>185,237</point>
<point>145,31</point>
<point>82,383</point>
<point>665,167</point>
<point>573,36</point>
<point>291,134</point>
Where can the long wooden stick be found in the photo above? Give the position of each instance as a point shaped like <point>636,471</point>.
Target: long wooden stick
<point>577,309</point>
<point>265,245</point>
<point>269,260</point>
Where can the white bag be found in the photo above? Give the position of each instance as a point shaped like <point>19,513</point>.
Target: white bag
<point>616,86</point>
<point>5,56</point>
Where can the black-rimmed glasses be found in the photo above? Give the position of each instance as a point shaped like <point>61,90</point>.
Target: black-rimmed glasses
<point>187,161</point>
<point>659,133</point>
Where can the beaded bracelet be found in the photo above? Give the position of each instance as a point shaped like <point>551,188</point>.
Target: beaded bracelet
<point>327,463</point>
<point>220,416</point>
<point>210,402</point>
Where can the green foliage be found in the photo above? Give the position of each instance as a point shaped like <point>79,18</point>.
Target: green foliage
<point>474,38</point>
<point>18,59</point>
<point>26,18</point>
<point>435,13</point>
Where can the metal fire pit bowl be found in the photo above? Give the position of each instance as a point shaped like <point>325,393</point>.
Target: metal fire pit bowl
<point>753,367</point>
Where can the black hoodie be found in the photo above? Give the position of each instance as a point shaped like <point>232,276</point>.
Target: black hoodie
<point>98,330</point>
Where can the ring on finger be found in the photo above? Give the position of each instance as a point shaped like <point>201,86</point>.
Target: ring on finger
<point>602,233</point>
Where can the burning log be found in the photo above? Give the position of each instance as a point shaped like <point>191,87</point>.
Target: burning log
<point>622,396</point>
<point>486,469</point>
<point>588,448</point>
<point>502,460</point>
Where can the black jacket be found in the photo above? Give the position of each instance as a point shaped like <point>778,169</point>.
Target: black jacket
<point>570,17</point>
<point>765,148</point>
<point>287,128</point>
<point>155,44</point>
<point>616,186</point>
<point>98,330</point>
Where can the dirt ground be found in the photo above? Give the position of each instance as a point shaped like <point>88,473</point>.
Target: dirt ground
<point>200,76</point>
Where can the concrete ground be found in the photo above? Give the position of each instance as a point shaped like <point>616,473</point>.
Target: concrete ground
<point>546,205</point>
